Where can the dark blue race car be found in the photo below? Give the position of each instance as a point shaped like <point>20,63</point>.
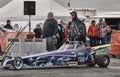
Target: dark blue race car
<point>69,54</point>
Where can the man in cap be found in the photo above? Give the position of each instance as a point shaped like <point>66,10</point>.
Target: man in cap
<point>74,27</point>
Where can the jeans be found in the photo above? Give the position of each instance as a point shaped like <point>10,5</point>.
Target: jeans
<point>50,44</point>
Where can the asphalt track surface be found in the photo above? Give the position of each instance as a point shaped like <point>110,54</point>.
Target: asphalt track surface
<point>113,70</point>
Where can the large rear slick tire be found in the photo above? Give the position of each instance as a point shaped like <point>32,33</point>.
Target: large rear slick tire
<point>103,60</point>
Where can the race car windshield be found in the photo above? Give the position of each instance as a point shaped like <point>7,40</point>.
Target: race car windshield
<point>66,47</point>
<point>69,46</point>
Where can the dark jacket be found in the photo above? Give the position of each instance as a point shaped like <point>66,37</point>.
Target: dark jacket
<point>74,27</point>
<point>83,29</point>
<point>37,32</point>
<point>60,33</point>
<point>8,26</point>
<point>50,28</point>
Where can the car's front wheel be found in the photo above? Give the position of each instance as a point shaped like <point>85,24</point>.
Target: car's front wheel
<point>18,63</point>
<point>103,60</point>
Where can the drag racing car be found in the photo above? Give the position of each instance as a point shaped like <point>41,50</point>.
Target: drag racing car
<point>69,54</point>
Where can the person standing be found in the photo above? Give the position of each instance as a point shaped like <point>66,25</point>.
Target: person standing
<point>66,33</point>
<point>104,32</point>
<point>99,26</point>
<point>93,33</point>
<point>16,27</point>
<point>83,32</point>
<point>60,34</point>
<point>8,25</point>
<point>74,27</point>
<point>50,31</point>
<point>108,35</point>
<point>38,31</point>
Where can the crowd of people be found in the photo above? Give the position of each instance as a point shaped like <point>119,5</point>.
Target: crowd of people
<point>56,34</point>
<point>99,33</point>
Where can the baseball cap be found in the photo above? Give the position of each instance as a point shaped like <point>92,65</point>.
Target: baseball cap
<point>73,13</point>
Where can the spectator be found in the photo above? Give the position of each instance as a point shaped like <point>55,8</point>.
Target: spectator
<point>83,32</point>
<point>104,31</point>
<point>60,34</point>
<point>74,27</point>
<point>66,33</point>
<point>50,31</point>
<point>16,27</point>
<point>108,35</point>
<point>8,26</point>
<point>99,26</point>
<point>38,31</point>
<point>93,33</point>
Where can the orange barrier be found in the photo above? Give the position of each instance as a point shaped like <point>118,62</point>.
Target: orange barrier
<point>115,42</point>
<point>6,35</point>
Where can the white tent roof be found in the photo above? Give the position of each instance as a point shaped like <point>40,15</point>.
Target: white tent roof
<point>4,2</point>
<point>100,5</point>
<point>112,5</point>
<point>107,16</point>
<point>112,13</point>
<point>115,14</point>
<point>15,10</point>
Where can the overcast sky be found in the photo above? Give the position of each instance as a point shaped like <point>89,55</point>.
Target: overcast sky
<point>100,5</point>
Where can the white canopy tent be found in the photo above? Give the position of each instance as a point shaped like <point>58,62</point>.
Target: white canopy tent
<point>115,14</point>
<point>4,2</point>
<point>112,13</point>
<point>15,10</point>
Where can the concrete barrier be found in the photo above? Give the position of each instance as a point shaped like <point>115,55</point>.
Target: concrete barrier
<point>24,47</point>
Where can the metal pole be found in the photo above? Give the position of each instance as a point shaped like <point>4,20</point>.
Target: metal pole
<point>29,23</point>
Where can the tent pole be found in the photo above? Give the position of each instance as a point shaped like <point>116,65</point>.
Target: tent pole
<point>29,23</point>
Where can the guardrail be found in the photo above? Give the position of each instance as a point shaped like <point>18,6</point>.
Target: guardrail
<point>25,47</point>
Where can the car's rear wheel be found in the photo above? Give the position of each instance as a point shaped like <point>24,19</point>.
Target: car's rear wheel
<point>103,60</point>
<point>18,63</point>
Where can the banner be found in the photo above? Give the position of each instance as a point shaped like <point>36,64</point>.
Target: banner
<point>7,35</point>
<point>115,42</point>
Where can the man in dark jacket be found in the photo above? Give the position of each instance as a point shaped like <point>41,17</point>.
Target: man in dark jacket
<point>60,34</point>
<point>50,31</point>
<point>74,27</point>
<point>83,32</point>
<point>38,31</point>
<point>8,26</point>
